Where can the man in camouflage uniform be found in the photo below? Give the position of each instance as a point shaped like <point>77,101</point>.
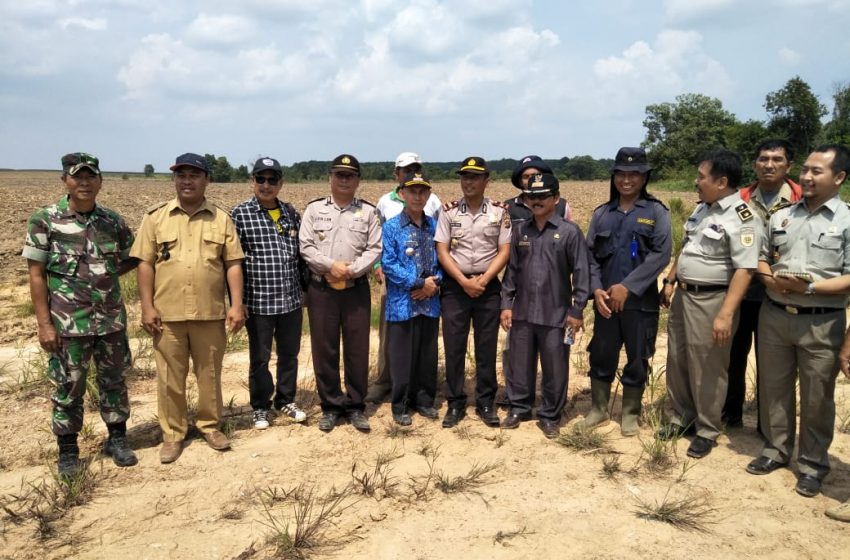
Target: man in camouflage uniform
<point>75,251</point>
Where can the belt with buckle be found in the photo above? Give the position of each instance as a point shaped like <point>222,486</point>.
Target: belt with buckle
<point>797,310</point>
<point>699,288</point>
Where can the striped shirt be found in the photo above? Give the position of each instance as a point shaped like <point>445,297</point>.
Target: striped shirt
<point>271,264</point>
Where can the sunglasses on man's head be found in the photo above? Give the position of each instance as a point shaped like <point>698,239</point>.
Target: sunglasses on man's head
<point>273,181</point>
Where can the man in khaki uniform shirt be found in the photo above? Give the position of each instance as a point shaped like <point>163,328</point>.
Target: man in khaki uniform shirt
<point>187,247</point>
<point>340,238</point>
<point>802,322</point>
<point>473,244</point>
<point>718,259</point>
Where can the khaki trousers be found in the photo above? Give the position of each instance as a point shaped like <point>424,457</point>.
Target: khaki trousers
<point>204,342</point>
<point>696,367</point>
<point>804,347</point>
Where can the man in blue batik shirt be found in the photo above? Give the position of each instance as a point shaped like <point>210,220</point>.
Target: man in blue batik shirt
<point>411,269</point>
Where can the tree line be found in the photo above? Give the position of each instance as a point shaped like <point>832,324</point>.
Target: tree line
<point>676,134</point>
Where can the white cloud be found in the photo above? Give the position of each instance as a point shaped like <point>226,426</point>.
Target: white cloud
<point>789,57</point>
<point>220,29</point>
<point>675,63</point>
<point>91,24</point>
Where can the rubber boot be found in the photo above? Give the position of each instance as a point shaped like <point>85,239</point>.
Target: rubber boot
<point>600,392</point>
<point>632,396</point>
<point>116,445</point>
<point>69,456</point>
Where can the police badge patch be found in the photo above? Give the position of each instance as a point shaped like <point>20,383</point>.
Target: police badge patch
<point>748,236</point>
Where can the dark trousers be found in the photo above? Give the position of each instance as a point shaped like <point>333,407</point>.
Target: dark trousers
<point>529,340</point>
<point>413,362</point>
<point>633,328</point>
<point>742,342</point>
<point>285,330</point>
<point>331,311</point>
<point>457,310</point>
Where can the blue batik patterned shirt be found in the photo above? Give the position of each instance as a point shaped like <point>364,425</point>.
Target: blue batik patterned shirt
<point>409,257</point>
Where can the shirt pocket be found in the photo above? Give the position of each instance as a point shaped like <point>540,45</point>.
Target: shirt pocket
<point>826,251</point>
<point>713,245</point>
<point>602,245</point>
<point>166,245</point>
<point>491,230</point>
<point>64,259</point>
<point>213,244</point>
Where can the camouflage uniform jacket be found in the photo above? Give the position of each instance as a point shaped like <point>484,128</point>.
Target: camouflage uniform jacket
<point>81,255</point>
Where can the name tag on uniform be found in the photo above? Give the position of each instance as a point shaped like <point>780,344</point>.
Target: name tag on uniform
<point>647,221</point>
<point>524,244</point>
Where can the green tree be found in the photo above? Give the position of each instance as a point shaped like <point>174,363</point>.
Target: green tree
<point>743,138</point>
<point>220,169</point>
<point>795,114</point>
<point>240,174</point>
<point>838,129</point>
<point>583,168</point>
<point>677,133</point>
<point>149,171</point>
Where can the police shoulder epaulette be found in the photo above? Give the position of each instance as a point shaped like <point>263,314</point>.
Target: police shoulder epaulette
<point>600,206</point>
<point>155,207</point>
<point>498,204</point>
<point>364,201</point>
<point>317,200</point>
<point>744,212</point>
<point>449,205</point>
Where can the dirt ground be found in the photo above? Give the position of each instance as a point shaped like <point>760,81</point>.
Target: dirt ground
<point>470,492</point>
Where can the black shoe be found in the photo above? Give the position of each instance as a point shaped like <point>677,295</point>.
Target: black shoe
<point>671,431</point>
<point>513,419</point>
<point>357,419</point>
<point>550,428</point>
<point>808,486</point>
<point>68,463</point>
<point>428,412</point>
<point>764,465</point>
<point>328,421</point>
<point>118,448</point>
<point>488,415</point>
<point>701,447</point>
<point>402,418</point>
<point>453,417</point>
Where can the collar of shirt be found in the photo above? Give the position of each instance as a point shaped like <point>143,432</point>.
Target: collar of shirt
<point>65,210</point>
<point>784,195</point>
<point>614,203</point>
<point>464,208</point>
<point>832,205</point>
<point>175,205</point>
<point>355,203</point>
<point>404,220</point>
<point>257,207</point>
<point>727,201</point>
<point>394,196</point>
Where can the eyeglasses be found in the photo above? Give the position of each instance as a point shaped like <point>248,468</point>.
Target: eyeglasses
<point>273,181</point>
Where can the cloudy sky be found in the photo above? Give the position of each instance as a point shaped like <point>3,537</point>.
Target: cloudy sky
<point>140,81</point>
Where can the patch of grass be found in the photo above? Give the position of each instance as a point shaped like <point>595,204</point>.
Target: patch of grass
<point>468,482</point>
<point>32,371</point>
<point>236,342</point>
<point>678,216</point>
<point>308,529</point>
<point>419,486</point>
<point>378,483</point>
<point>129,287</point>
<point>610,467</point>
<point>502,537</point>
<point>24,309</point>
<point>691,513</point>
<point>585,440</point>
<point>673,185</point>
<point>500,438</point>
<point>396,431</point>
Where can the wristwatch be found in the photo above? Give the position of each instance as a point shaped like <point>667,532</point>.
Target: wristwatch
<point>810,289</point>
<point>665,281</point>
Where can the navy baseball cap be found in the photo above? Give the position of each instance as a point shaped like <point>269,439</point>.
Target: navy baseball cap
<point>192,160</point>
<point>528,161</point>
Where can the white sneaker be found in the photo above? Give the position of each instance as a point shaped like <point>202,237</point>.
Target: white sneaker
<point>292,412</point>
<point>261,419</point>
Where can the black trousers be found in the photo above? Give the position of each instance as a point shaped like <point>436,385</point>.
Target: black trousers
<point>529,340</point>
<point>331,311</point>
<point>457,310</point>
<point>285,330</point>
<point>632,328</point>
<point>413,362</point>
<point>742,342</point>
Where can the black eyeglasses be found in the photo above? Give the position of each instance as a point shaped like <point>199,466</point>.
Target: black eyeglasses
<point>273,181</point>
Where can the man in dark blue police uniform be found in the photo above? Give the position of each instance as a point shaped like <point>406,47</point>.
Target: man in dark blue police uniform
<point>630,245</point>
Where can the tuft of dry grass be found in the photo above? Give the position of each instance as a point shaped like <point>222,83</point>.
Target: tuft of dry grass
<point>692,513</point>
<point>585,440</point>
<point>468,482</point>
<point>378,483</point>
<point>502,537</point>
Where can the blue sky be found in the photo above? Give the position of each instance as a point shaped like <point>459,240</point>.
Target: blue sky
<point>140,81</point>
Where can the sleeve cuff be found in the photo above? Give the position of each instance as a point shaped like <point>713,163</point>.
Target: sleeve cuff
<point>34,254</point>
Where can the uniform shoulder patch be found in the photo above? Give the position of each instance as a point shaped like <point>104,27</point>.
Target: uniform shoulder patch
<point>744,212</point>
<point>449,205</point>
<point>317,200</point>
<point>155,207</point>
<point>366,202</point>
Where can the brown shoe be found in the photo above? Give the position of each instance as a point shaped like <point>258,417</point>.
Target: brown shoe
<point>170,451</point>
<point>217,440</point>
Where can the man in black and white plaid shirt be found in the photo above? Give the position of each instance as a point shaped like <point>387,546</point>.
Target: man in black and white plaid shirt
<point>268,232</point>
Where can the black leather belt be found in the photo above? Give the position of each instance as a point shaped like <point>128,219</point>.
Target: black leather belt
<point>698,288</point>
<point>797,310</point>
